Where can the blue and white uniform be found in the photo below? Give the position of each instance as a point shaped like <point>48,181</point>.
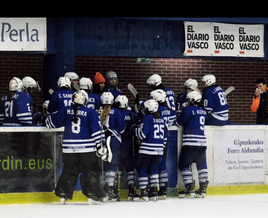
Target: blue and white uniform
<point>168,115</point>
<point>194,144</point>
<point>215,103</point>
<point>94,101</point>
<point>115,91</point>
<point>127,149</point>
<point>59,99</point>
<point>170,99</point>
<point>80,137</point>
<point>153,135</point>
<point>116,125</point>
<point>17,111</point>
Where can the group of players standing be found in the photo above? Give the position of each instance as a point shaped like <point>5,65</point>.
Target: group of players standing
<point>99,120</point>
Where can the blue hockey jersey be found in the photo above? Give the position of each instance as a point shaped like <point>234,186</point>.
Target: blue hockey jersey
<point>130,118</point>
<point>94,101</point>
<point>153,135</point>
<point>115,91</point>
<point>192,119</point>
<point>115,122</point>
<point>17,111</point>
<point>168,115</point>
<point>59,99</point>
<point>215,102</point>
<point>170,98</point>
<point>181,98</point>
<point>80,137</point>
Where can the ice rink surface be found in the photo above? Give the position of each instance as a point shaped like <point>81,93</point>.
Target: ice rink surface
<point>244,206</point>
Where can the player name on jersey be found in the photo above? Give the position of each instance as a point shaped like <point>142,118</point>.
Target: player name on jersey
<point>79,112</point>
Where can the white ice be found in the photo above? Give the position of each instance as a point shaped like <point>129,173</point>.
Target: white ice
<point>238,206</point>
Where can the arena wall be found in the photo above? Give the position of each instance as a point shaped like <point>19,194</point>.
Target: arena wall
<point>175,71</point>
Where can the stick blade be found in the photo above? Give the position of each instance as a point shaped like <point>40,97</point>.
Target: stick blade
<point>229,90</point>
<point>132,89</point>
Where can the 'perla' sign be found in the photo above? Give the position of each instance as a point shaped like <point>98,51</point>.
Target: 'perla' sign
<point>23,34</point>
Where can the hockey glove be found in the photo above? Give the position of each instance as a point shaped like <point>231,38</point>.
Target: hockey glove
<point>107,132</point>
<point>101,150</point>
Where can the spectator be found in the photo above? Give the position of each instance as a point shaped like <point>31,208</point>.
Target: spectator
<point>260,102</point>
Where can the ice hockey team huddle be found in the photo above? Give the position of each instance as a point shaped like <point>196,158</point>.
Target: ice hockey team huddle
<point>104,135</point>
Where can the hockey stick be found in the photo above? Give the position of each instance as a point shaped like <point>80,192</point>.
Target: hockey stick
<point>132,89</point>
<point>135,93</point>
<point>229,90</point>
<point>134,156</point>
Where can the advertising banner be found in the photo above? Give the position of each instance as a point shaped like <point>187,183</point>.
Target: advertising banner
<point>220,39</point>
<point>239,156</point>
<point>23,34</point>
<point>28,162</point>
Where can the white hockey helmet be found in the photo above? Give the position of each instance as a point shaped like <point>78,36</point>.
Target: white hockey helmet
<point>193,97</point>
<point>159,95</point>
<point>72,76</point>
<point>122,101</point>
<point>15,84</point>
<point>64,82</point>
<point>85,83</point>
<point>209,80</point>
<point>191,84</point>
<point>150,106</point>
<point>30,85</point>
<point>107,98</point>
<point>80,97</point>
<point>154,80</point>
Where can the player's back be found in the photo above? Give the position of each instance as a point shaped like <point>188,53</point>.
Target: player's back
<point>59,99</point>
<point>170,99</point>
<point>94,101</point>
<point>215,102</point>
<point>16,111</point>
<point>79,136</point>
<point>152,132</point>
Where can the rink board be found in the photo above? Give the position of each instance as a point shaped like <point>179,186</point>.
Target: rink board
<point>236,157</point>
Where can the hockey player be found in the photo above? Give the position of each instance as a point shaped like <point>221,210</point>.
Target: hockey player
<point>112,122</point>
<point>152,132</point>
<point>194,145</point>
<point>169,116</point>
<point>94,101</point>
<point>215,102</point>
<point>74,78</point>
<point>189,85</point>
<point>15,111</point>
<point>31,86</point>
<point>82,135</point>
<point>61,97</point>
<point>15,108</point>
<point>127,150</point>
<point>112,82</point>
<point>155,82</point>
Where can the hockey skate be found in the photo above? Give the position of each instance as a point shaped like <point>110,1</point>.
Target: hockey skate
<point>92,199</point>
<point>201,192</point>
<point>190,190</point>
<point>162,193</point>
<point>112,196</point>
<point>63,198</point>
<point>143,196</point>
<point>153,194</point>
<point>132,196</point>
